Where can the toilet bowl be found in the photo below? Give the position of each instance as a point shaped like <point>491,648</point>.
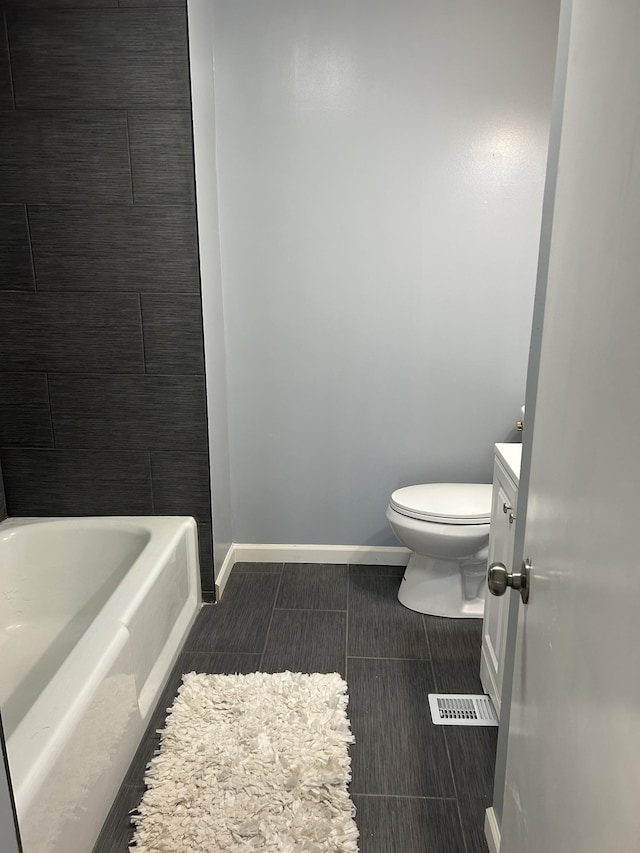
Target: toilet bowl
<point>446,525</point>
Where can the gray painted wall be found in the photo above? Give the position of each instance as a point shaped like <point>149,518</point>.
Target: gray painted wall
<point>381,171</point>
<point>102,386</point>
<point>204,132</point>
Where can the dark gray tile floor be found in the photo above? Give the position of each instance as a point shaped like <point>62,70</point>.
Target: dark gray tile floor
<point>417,787</point>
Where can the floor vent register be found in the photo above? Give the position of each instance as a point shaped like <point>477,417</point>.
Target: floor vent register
<point>457,709</point>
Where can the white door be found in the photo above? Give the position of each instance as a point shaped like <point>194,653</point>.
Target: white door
<point>573,761</point>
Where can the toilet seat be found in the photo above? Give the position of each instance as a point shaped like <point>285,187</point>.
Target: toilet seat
<point>445,503</point>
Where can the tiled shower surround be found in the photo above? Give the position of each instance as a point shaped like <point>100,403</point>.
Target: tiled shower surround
<point>3,503</point>
<point>102,395</point>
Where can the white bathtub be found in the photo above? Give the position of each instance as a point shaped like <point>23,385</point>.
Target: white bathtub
<point>93,614</point>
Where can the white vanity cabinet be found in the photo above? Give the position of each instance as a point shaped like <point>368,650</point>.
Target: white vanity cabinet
<point>504,503</point>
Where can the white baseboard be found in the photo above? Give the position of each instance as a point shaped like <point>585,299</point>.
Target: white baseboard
<point>335,554</point>
<point>488,679</point>
<point>492,830</point>
<point>361,555</point>
<point>225,571</point>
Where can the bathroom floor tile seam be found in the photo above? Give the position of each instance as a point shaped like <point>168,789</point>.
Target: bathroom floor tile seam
<point>266,639</point>
<point>400,634</point>
<point>399,796</point>
<point>384,657</point>
<point>451,768</point>
<point>432,786</point>
<point>313,609</point>
<point>346,630</point>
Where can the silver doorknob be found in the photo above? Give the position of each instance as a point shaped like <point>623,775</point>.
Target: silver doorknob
<point>498,579</point>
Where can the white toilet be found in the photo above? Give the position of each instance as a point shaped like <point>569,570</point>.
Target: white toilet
<point>446,525</point>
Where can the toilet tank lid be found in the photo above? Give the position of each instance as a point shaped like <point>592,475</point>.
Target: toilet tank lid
<point>445,503</point>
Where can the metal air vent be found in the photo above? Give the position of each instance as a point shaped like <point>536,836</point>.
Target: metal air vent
<point>457,709</point>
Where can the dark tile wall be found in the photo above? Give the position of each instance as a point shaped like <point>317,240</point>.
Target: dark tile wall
<point>102,395</point>
<point>3,504</point>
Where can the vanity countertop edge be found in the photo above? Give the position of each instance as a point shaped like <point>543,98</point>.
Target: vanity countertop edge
<point>510,455</point>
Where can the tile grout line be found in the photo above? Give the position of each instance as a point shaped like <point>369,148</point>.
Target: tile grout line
<point>453,778</point>
<point>135,108</point>
<point>298,609</point>
<point>158,204</point>
<point>153,500</point>
<point>370,657</point>
<point>346,631</point>
<point>61,291</point>
<point>405,797</point>
<point>6,39</point>
<point>31,254</point>
<point>53,432</point>
<point>273,610</point>
<point>260,574</point>
<point>429,649</point>
<point>107,451</point>
<point>126,121</point>
<point>144,349</point>
<point>209,654</point>
<point>103,373</point>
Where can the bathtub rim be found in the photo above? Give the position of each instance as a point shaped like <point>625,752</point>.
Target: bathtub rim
<point>38,739</point>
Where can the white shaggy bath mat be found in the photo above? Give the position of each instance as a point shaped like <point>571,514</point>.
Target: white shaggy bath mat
<point>248,763</point>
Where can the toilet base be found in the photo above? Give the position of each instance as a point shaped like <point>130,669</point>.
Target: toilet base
<point>451,588</point>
